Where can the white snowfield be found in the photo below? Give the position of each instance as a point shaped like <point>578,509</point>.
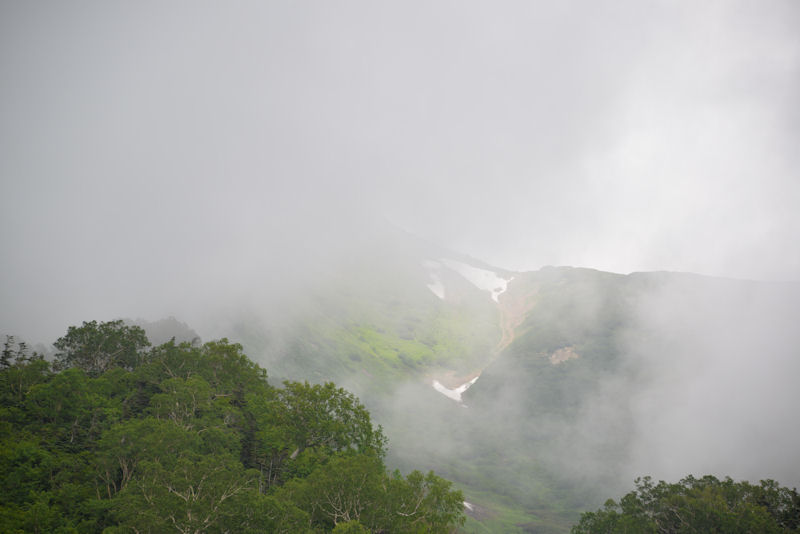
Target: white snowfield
<point>480,278</point>
<point>436,285</point>
<point>454,394</point>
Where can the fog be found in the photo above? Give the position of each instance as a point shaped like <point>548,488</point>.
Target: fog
<point>719,393</point>
<point>203,161</point>
<point>150,153</point>
<point>705,385</point>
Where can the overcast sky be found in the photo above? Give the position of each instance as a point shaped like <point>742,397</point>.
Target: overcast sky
<point>144,145</point>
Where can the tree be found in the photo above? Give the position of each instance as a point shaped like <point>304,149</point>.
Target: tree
<point>183,401</point>
<point>68,410</point>
<point>324,416</point>
<point>8,355</point>
<point>20,371</point>
<point>419,503</point>
<point>340,491</point>
<point>127,444</point>
<point>350,527</point>
<point>697,505</point>
<point>190,494</point>
<point>352,487</point>
<point>302,424</point>
<point>96,348</point>
<point>115,440</point>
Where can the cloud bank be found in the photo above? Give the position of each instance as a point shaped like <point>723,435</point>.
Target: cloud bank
<point>152,153</point>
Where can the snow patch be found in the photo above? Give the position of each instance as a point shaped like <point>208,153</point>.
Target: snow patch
<point>434,271</point>
<point>480,278</point>
<point>437,288</point>
<point>454,394</point>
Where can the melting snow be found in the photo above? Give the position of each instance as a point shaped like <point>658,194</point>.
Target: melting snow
<point>437,288</point>
<point>480,278</point>
<point>454,394</point>
<point>434,270</point>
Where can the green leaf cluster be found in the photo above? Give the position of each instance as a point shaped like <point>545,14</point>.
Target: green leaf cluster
<point>114,437</point>
<point>698,505</point>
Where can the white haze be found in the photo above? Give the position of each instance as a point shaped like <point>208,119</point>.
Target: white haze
<point>719,393</point>
<point>199,158</point>
<point>706,385</point>
<point>151,152</point>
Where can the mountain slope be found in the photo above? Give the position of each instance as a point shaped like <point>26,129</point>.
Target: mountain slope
<point>539,392</point>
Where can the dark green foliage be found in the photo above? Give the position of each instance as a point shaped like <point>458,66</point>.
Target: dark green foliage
<point>698,506</point>
<point>186,438</point>
<point>20,372</point>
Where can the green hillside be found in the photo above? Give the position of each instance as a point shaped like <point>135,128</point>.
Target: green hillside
<point>546,431</point>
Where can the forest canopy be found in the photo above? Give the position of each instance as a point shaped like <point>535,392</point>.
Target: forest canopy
<point>116,436</point>
<point>698,505</point>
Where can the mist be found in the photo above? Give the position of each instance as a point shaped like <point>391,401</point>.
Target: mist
<point>240,167</point>
<point>718,394</point>
<point>152,153</point>
<point>703,383</point>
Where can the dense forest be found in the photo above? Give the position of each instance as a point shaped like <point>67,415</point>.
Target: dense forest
<point>116,436</point>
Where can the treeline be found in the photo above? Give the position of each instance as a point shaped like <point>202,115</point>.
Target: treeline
<point>698,506</point>
<point>114,436</point>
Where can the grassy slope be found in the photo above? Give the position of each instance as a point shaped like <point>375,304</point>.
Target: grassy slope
<point>380,325</point>
<point>532,402</point>
<point>374,333</point>
<point>380,332</point>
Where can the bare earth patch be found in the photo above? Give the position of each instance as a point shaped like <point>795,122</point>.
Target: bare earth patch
<point>562,355</point>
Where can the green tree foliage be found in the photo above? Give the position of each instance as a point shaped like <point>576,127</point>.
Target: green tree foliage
<point>350,527</point>
<point>192,439</point>
<point>355,488</point>
<point>96,348</point>
<point>19,372</point>
<point>421,503</point>
<point>698,506</point>
<point>324,416</point>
